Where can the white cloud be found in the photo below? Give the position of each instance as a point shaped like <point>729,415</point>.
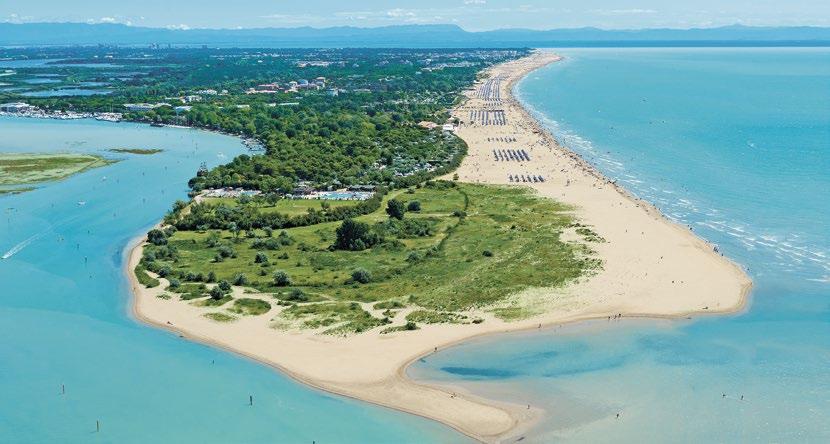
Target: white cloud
<point>180,27</point>
<point>475,2</point>
<point>16,18</point>
<point>109,19</point>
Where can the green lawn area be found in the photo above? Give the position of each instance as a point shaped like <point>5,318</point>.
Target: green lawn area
<point>288,207</point>
<point>22,169</point>
<point>480,244</point>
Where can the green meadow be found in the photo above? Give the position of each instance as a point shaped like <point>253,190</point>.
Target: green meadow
<point>27,169</point>
<point>461,247</point>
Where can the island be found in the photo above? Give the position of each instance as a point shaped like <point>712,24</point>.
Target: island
<point>18,172</point>
<point>137,151</point>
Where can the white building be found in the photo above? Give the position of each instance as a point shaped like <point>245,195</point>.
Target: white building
<point>141,107</point>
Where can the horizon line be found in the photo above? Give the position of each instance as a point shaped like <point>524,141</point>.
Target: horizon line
<point>420,25</point>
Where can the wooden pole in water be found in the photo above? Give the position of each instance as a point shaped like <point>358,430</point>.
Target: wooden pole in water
<point>63,389</point>
<point>97,426</point>
<point>250,399</point>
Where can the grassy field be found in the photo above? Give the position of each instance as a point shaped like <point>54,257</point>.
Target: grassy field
<point>288,207</point>
<point>477,245</point>
<point>22,169</point>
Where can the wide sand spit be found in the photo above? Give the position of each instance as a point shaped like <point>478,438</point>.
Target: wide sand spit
<point>652,267</point>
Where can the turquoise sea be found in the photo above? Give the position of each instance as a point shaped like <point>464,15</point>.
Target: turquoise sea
<point>735,143</point>
<point>64,315</point>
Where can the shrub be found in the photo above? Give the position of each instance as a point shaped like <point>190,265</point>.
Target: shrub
<point>213,239</point>
<point>261,258</point>
<point>413,206</point>
<point>157,237</point>
<point>297,295</point>
<point>285,238</point>
<point>355,236</point>
<point>211,277</point>
<point>487,253</point>
<point>226,251</point>
<point>240,279</point>
<point>266,244</point>
<point>281,279</point>
<point>395,209</point>
<point>224,285</point>
<point>216,293</point>
<point>361,275</point>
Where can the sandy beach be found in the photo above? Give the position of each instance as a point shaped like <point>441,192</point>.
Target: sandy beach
<point>652,267</point>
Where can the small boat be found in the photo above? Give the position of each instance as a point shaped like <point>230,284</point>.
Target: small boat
<point>81,203</point>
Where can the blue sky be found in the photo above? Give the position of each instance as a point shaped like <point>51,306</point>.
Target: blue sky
<point>470,14</point>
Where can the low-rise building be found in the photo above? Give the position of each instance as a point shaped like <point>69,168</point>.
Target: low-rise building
<point>143,107</point>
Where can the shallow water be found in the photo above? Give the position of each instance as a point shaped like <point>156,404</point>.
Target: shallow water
<point>735,143</point>
<point>64,314</point>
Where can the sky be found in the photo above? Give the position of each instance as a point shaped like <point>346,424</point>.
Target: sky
<point>472,15</point>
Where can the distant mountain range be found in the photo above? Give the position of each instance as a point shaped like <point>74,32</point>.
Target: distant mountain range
<point>408,36</point>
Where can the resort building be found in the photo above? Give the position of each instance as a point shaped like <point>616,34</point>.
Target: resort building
<point>142,107</point>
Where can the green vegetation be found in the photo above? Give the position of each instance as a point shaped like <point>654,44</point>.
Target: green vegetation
<point>144,278</point>
<point>15,190</point>
<point>409,326</point>
<point>139,151</point>
<point>431,259</point>
<point>17,169</point>
<point>388,305</point>
<point>274,204</point>
<point>353,118</point>
<point>220,317</point>
<point>246,214</point>
<point>190,291</point>
<point>436,317</point>
<point>250,307</point>
<point>588,234</point>
<point>341,317</point>
<point>321,120</point>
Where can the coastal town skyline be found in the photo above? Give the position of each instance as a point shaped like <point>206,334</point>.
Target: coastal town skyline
<point>472,15</point>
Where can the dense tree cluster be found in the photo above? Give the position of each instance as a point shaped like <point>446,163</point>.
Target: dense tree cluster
<point>360,128</point>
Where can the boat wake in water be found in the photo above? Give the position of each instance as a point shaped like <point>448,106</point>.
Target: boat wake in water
<point>17,248</point>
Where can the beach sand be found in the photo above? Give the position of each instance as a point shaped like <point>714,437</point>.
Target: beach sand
<point>651,268</point>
